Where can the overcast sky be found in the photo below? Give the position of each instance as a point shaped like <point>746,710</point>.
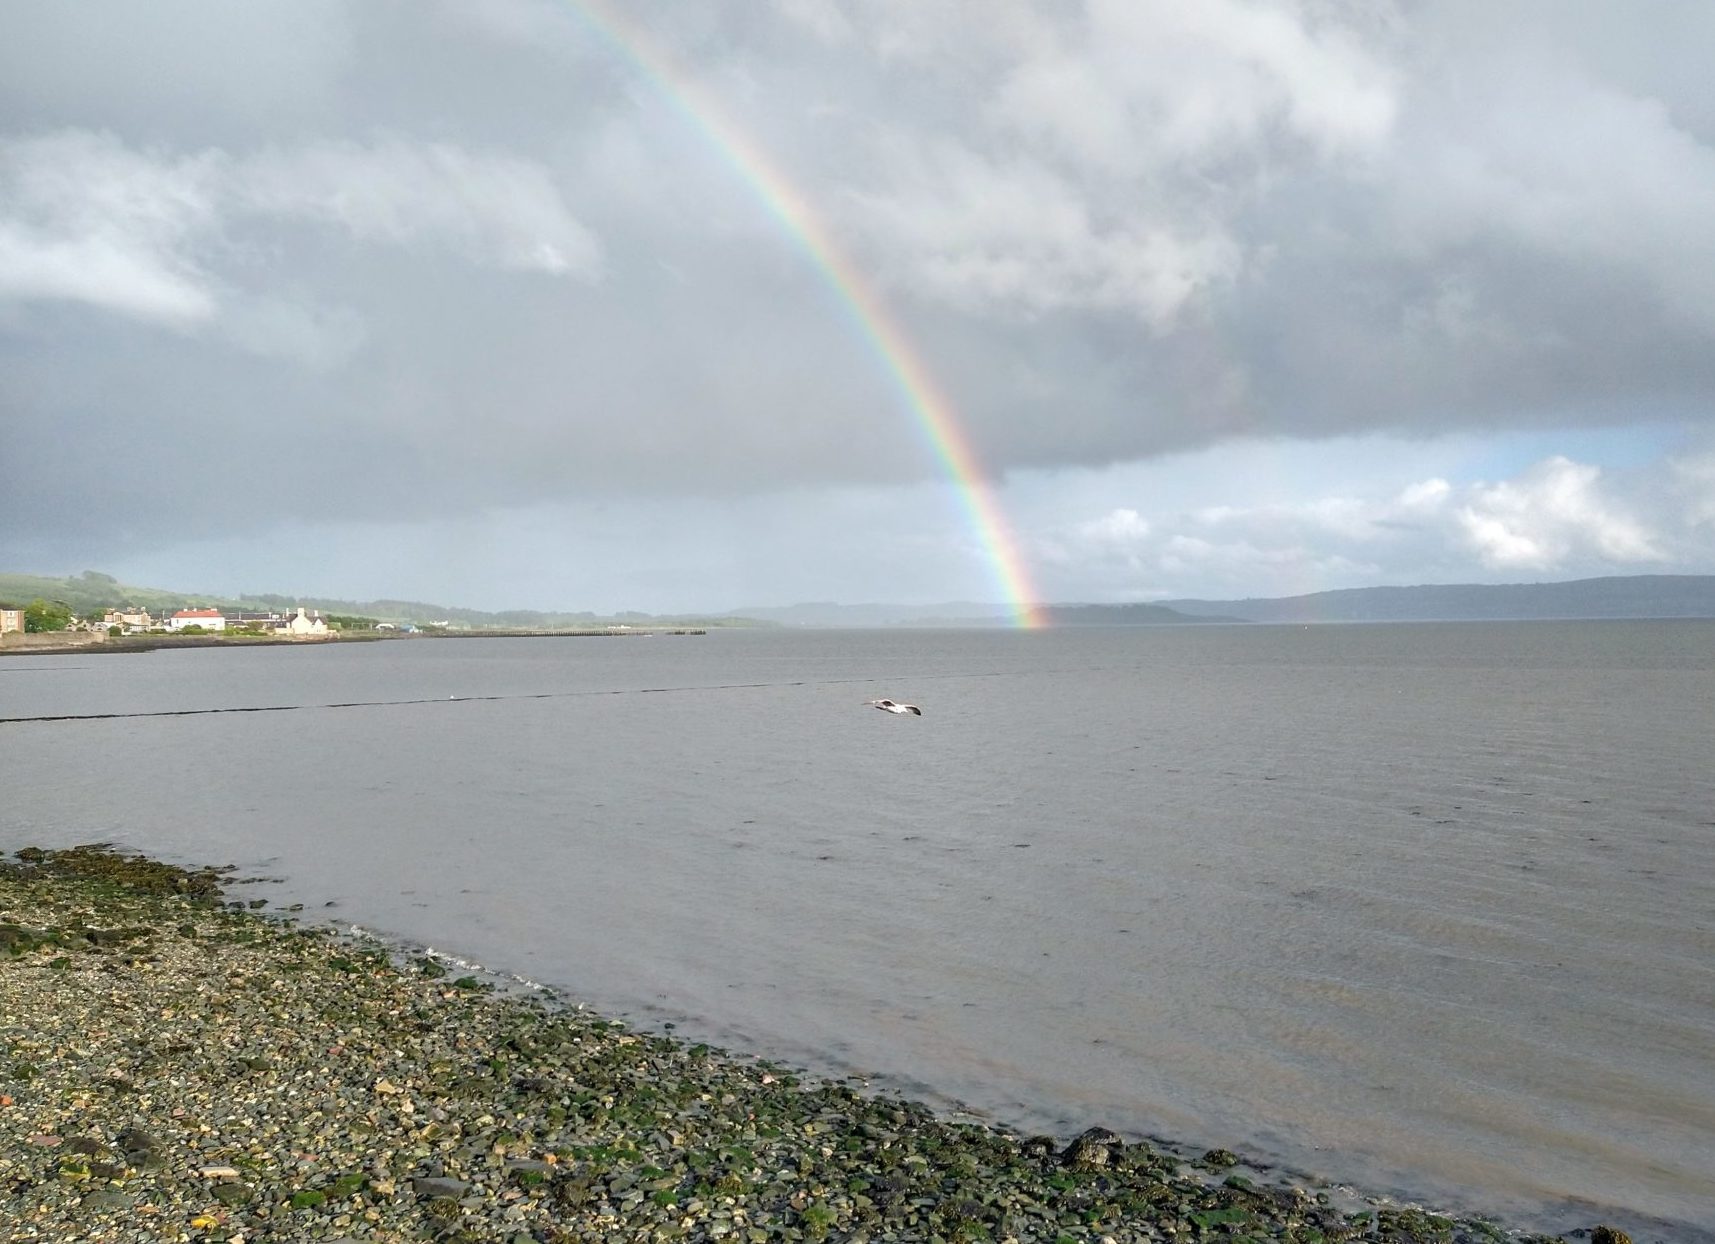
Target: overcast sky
<point>456,302</point>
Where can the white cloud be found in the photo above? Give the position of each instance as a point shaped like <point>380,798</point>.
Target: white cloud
<point>1548,515</point>
<point>1017,238</point>
<point>826,21</point>
<point>1553,516</point>
<point>404,193</point>
<point>1120,537</point>
<point>1344,195</point>
<point>1429,494</point>
<point>1139,85</point>
<point>1563,167</point>
<point>86,218</point>
<point>1114,156</point>
<point>115,272</point>
<point>1118,527</point>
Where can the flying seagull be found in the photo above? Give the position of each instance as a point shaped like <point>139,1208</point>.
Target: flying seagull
<point>888,706</point>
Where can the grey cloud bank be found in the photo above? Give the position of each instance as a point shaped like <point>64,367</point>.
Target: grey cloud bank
<point>421,277</point>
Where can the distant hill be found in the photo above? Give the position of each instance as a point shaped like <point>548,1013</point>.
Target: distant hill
<point>92,591</point>
<point>966,613</point>
<point>1129,615</point>
<point>829,614</point>
<point>1617,596</point>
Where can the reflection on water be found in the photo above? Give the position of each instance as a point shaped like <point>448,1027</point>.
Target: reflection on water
<point>1430,907</point>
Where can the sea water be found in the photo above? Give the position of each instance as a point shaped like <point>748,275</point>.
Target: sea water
<point>1426,908</point>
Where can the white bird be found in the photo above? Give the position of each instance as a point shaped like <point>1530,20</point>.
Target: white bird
<point>888,706</point>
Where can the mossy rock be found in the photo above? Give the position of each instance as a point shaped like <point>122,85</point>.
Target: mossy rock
<point>98,861</point>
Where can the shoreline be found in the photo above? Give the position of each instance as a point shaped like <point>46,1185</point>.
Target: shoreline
<point>157,643</point>
<point>177,1065</point>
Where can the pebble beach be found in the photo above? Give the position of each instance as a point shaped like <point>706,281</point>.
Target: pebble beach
<point>175,1065</point>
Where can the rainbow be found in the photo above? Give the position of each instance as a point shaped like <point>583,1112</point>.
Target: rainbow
<point>936,416</point>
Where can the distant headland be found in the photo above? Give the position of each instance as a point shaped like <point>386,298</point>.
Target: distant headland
<point>1617,596</point>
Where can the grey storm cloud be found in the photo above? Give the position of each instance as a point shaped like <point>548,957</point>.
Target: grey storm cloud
<point>396,260</point>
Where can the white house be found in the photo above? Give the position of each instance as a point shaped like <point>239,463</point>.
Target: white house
<point>208,619</point>
<point>306,624</point>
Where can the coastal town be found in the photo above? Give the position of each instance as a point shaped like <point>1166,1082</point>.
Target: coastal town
<point>304,624</point>
<point>52,625</point>
<point>48,623</point>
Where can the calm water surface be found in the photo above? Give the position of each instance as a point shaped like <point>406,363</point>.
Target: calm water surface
<point>1426,908</point>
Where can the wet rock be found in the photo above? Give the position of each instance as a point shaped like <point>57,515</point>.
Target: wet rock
<point>1095,1148</point>
<point>576,1192</point>
<point>137,1144</point>
<point>1040,1147</point>
<point>437,1186</point>
<point>107,1199</point>
<point>1609,1235</point>
<point>1220,1158</point>
<point>1137,1156</point>
<point>15,939</point>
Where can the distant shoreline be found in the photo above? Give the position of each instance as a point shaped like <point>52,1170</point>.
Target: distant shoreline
<point>155,643</point>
